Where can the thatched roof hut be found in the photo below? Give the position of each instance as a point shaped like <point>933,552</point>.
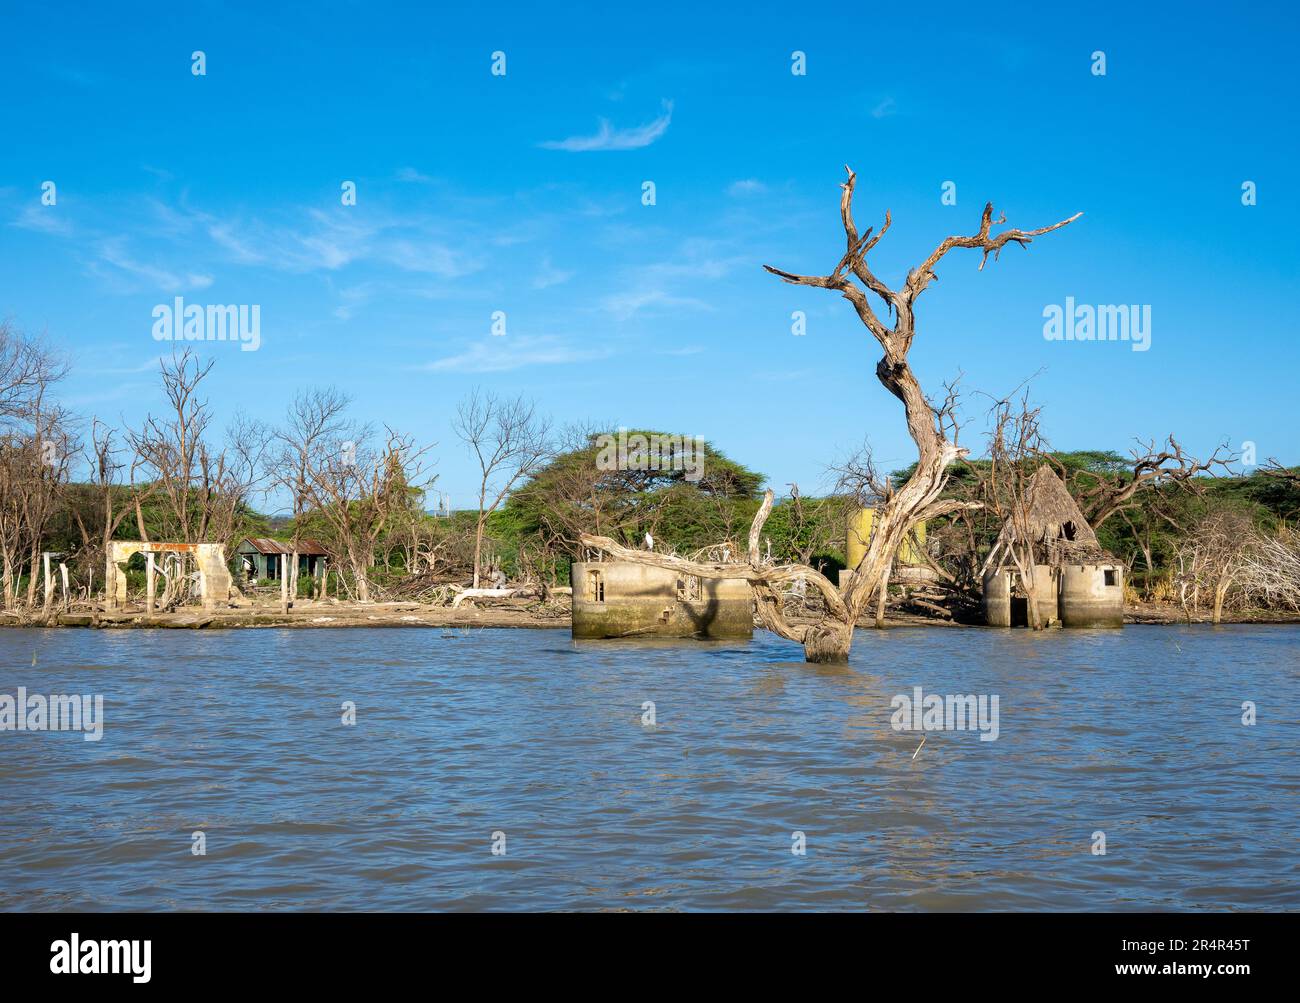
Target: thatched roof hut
<point>1052,524</point>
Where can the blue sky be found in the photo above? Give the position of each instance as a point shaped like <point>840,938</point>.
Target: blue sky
<point>479,193</point>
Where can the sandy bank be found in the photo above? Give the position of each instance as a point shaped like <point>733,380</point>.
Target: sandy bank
<point>306,613</point>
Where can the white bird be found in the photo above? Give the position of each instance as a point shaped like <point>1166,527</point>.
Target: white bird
<point>649,542</point>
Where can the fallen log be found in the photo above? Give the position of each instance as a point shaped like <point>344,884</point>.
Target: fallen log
<point>484,594</point>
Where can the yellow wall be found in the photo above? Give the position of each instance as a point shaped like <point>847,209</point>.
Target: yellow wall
<point>860,534</point>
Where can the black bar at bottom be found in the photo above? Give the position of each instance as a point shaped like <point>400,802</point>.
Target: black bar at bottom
<point>337,951</point>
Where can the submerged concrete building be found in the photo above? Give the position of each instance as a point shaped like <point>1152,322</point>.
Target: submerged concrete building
<point>909,566</point>
<point>622,599</point>
<point>1076,583</point>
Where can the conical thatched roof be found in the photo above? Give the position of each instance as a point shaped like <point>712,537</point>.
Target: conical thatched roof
<point>1052,523</point>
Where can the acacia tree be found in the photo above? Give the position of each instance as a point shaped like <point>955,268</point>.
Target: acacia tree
<point>1102,495</point>
<point>899,510</point>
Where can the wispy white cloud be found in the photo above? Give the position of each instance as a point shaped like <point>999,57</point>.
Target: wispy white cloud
<point>113,253</point>
<point>150,365</point>
<point>884,109</point>
<point>548,275</point>
<point>685,350</point>
<point>746,186</point>
<point>686,278</point>
<point>411,174</point>
<point>609,138</point>
<point>626,305</point>
<point>44,219</point>
<point>328,241</point>
<point>497,355</point>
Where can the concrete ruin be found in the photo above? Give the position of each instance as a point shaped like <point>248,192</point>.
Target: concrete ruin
<point>210,558</point>
<point>622,599</point>
<point>909,567</point>
<point>1076,582</point>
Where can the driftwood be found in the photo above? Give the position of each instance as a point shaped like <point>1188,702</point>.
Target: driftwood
<point>484,594</point>
<point>896,511</point>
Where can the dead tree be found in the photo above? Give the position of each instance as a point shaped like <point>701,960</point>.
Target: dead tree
<point>1015,448</point>
<point>358,489</point>
<point>314,422</point>
<point>920,498</point>
<point>1150,467</point>
<point>510,441</point>
<point>1210,559</point>
<point>103,490</point>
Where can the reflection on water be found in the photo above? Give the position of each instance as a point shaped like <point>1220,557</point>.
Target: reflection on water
<point>1137,734</point>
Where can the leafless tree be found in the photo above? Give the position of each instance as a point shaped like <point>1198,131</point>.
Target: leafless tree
<point>1211,558</point>
<point>1101,496</point>
<point>1270,570</point>
<point>36,446</point>
<point>313,427</point>
<point>112,491</point>
<point>510,441</point>
<point>359,488</point>
<point>205,485</point>
<point>1016,450</point>
<point>920,498</point>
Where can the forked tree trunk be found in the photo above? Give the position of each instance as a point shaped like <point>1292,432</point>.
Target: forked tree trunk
<point>919,499</point>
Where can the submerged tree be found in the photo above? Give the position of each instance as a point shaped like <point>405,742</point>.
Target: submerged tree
<point>920,497</point>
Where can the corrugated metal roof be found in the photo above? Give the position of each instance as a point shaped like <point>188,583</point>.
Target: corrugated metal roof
<point>265,545</point>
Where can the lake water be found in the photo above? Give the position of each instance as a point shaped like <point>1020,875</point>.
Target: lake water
<point>1136,734</point>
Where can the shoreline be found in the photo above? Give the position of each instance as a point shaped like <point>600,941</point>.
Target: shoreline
<point>330,615</point>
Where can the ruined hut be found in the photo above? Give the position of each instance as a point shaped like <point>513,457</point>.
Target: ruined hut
<point>263,558</point>
<point>622,599</point>
<point>1047,548</point>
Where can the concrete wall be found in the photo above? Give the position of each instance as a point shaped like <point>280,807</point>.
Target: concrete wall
<point>998,602</point>
<point>1078,596</point>
<point>858,537</point>
<point>1048,585</point>
<point>641,601</point>
<point>997,598</point>
<point>1086,599</point>
<point>214,576</point>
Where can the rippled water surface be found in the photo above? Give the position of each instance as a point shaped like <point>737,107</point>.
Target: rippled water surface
<point>1134,733</point>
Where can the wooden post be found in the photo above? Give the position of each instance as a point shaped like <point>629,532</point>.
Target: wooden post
<point>63,574</point>
<point>49,583</point>
<point>150,582</point>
